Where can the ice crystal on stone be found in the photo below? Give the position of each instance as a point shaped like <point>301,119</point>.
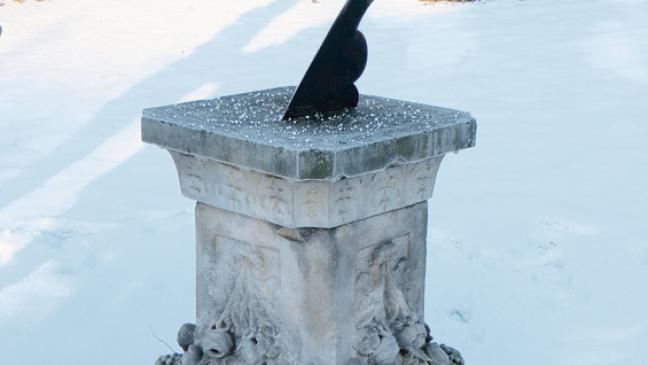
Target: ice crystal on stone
<point>257,116</point>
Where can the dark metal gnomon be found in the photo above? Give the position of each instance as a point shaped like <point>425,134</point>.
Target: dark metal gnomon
<point>328,82</point>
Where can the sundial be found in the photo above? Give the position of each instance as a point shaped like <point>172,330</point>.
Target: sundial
<point>311,215</point>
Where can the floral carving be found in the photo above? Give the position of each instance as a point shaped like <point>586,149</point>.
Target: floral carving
<point>243,334</point>
<point>389,332</point>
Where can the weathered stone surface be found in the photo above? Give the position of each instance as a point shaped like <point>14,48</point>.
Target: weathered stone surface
<point>305,203</point>
<point>317,296</point>
<point>246,130</point>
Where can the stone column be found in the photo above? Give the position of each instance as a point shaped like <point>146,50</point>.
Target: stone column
<point>311,234</point>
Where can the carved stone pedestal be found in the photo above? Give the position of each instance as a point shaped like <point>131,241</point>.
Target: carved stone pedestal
<point>311,234</point>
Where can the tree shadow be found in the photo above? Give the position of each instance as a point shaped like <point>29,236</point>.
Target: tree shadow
<point>220,60</point>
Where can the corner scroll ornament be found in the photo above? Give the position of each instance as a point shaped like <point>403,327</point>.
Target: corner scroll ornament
<point>328,85</point>
<point>389,331</point>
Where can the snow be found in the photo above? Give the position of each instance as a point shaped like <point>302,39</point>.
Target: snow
<point>538,247</point>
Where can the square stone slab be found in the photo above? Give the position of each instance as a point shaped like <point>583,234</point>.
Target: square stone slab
<point>246,130</point>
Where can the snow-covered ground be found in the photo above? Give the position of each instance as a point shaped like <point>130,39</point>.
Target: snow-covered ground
<point>538,236</point>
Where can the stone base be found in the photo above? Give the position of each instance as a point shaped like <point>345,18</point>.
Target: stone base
<point>347,290</point>
<point>352,294</point>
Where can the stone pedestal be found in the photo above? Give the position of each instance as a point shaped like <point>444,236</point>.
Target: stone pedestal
<point>311,234</point>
